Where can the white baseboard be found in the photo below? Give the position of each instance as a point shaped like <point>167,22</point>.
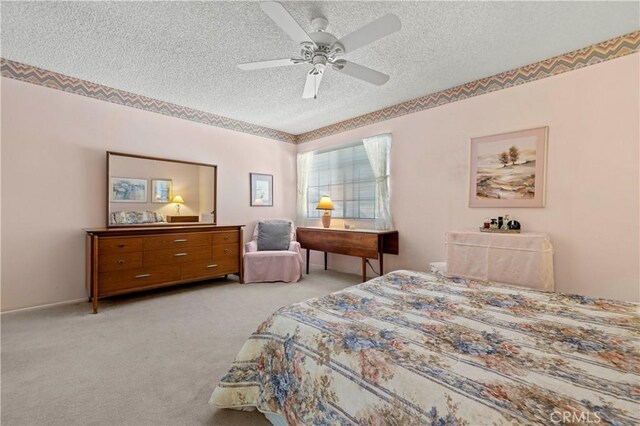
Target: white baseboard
<point>48,305</point>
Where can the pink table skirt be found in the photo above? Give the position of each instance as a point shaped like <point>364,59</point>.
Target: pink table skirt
<point>524,259</point>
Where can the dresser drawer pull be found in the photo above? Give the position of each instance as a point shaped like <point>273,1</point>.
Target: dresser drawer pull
<point>180,254</point>
<point>180,240</point>
<point>226,251</point>
<point>226,237</point>
<point>121,261</point>
<point>212,266</point>
<point>143,275</point>
<point>121,245</point>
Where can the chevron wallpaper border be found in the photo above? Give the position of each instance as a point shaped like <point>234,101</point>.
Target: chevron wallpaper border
<point>591,55</point>
<point>54,80</point>
<point>594,54</point>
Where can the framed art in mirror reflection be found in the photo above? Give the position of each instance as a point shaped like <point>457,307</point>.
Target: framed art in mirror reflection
<point>128,190</point>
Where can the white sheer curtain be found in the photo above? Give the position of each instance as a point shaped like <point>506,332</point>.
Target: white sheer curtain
<point>305,160</point>
<point>379,153</point>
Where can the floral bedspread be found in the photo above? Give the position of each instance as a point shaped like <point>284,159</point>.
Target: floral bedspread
<point>414,348</point>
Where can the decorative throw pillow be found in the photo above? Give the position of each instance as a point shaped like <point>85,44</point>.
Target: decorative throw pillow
<point>134,217</point>
<point>274,235</point>
<point>124,218</point>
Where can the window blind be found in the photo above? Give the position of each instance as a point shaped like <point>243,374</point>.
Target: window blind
<point>345,175</point>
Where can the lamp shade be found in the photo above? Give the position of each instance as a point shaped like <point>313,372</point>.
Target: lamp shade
<point>177,199</point>
<point>325,203</point>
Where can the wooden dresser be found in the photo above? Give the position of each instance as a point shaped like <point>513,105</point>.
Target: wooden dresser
<point>125,260</point>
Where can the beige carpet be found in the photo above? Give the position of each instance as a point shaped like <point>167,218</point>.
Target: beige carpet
<point>146,359</point>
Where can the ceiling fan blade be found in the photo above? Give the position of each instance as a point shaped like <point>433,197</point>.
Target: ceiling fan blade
<point>371,32</point>
<point>312,84</point>
<point>269,64</point>
<point>361,72</point>
<point>285,21</point>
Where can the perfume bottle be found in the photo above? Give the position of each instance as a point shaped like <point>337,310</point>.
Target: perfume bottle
<point>494,224</point>
<point>505,223</point>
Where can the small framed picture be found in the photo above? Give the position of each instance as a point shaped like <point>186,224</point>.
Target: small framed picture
<point>261,190</point>
<point>128,190</point>
<point>161,190</point>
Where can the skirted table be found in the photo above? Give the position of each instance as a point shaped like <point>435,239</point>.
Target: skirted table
<point>524,259</point>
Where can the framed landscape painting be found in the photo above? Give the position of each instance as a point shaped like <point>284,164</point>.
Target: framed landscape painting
<point>509,169</point>
<point>128,190</point>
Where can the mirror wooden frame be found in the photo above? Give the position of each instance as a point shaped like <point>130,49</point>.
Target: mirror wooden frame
<point>145,157</point>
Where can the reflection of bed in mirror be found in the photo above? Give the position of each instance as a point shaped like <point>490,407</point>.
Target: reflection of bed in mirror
<point>151,191</point>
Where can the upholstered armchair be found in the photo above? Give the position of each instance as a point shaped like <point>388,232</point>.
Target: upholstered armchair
<point>267,265</point>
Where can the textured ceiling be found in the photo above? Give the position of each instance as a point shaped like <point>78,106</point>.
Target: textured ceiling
<point>186,52</point>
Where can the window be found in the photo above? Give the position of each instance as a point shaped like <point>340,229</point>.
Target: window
<point>345,175</point>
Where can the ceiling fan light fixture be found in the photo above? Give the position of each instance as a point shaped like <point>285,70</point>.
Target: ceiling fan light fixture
<point>320,48</point>
<point>319,59</point>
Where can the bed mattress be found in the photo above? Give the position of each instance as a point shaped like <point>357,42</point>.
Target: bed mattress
<point>414,348</point>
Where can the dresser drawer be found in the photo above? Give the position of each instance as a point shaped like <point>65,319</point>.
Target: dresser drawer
<point>227,258</point>
<point>208,269</point>
<point>185,240</point>
<point>119,245</point>
<point>226,251</point>
<point>176,255</point>
<point>109,282</point>
<point>225,237</point>
<point>119,261</point>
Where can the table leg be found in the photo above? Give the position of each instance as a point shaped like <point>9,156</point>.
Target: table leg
<point>308,252</point>
<point>325,260</point>
<point>364,269</point>
<point>381,264</point>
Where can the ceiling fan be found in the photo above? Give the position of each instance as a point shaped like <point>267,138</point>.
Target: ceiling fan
<point>322,49</point>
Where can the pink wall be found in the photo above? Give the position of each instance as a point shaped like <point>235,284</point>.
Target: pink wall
<point>53,171</point>
<point>592,181</point>
<point>53,180</point>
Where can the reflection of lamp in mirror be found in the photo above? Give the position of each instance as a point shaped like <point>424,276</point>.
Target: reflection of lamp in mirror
<point>177,200</point>
<point>325,204</point>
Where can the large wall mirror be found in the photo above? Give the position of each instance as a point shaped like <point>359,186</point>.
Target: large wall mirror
<point>149,191</point>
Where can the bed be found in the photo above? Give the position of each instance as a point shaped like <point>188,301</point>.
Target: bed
<point>412,348</point>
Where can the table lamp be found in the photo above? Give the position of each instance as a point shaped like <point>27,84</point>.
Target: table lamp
<point>326,205</point>
<point>177,200</point>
